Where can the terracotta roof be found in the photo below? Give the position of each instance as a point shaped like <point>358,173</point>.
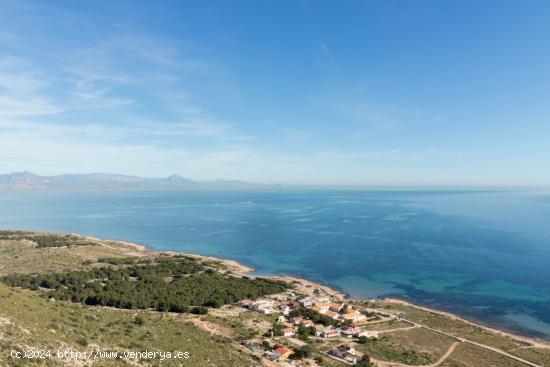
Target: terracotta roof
<point>323,304</point>
<point>282,350</point>
<point>352,314</point>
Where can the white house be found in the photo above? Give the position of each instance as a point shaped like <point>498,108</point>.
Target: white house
<point>345,352</point>
<point>371,334</point>
<point>288,331</point>
<point>264,306</point>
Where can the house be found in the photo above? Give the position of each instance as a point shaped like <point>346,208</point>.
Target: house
<point>281,318</point>
<point>296,320</point>
<point>264,306</point>
<point>329,333</point>
<point>252,346</point>
<point>336,307</point>
<point>321,299</point>
<point>285,309</point>
<point>288,331</point>
<point>307,323</point>
<point>293,305</point>
<point>246,303</point>
<point>319,327</point>
<point>345,352</point>
<point>307,302</point>
<point>280,297</point>
<point>371,334</point>
<point>333,315</point>
<point>322,307</point>
<point>350,331</point>
<point>354,316</point>
<point>282,353</point>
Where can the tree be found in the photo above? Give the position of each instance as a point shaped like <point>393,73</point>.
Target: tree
<point>304,332</point>
<point>277,329</point>
<point>138,320</point>
<point>302,352</point>
<point>199,310</point>
<point>131,283</point>
<point>364,362</point>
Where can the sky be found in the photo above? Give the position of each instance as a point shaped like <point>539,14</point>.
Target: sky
<point>279,91</point>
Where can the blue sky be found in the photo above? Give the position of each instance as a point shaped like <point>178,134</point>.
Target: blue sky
<point>301,92</point>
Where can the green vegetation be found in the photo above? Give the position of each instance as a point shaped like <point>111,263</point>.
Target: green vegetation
<point>454,327</point>
<point>387,325</point>
<point>45,240</point>
<point>169,284</point>
<point>390,349</point>
<point>67,273</point>
<point>537,355</point>
<point>302,352</point>
<point>28,321</point>
<point>20,254</point>
<point>364,362</point>
<point>415,346</point>
<point>314,316</point>
<point>304,332</point>
<point>467,355</point>
<point>124,260</point>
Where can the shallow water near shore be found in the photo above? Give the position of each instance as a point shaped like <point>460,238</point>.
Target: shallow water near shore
<point>481,254</point>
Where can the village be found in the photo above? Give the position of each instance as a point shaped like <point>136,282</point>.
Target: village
<point>300,320</point>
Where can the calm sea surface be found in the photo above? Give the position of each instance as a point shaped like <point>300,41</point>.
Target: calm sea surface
<point>482,254</point>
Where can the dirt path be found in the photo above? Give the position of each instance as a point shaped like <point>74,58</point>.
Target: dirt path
<point>456,338</point>
<point>398,329</point>
<point>380,363</point>
<point>484,346</point>
<point>534,342</point>
<point>210,327</point>
<point>446,355</point>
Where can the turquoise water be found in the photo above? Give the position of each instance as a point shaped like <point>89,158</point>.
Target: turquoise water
<point>482,254</point>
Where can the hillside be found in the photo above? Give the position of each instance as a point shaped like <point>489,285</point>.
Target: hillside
<point>30,181</point>
<point>65,292</point>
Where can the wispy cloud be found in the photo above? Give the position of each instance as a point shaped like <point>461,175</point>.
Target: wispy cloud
<point>326,61</point>
<point>21,91</point>
<point>127,72</point>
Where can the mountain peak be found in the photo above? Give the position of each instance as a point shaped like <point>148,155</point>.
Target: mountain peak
<point>29,180</point>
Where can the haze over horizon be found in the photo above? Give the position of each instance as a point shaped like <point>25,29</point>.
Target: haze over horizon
<point>294,92</point>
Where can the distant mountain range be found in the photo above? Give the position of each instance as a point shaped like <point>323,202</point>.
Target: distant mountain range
<point>28,180</point>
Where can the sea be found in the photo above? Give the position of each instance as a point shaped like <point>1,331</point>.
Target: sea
<point>482,254</point>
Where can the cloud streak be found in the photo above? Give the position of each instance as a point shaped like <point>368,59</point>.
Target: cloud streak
<point>21,91</point>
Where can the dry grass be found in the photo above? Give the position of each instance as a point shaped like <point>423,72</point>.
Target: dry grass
<point>388,325</point>
<point>467,355</point>
<point>22,256</point>
<point>537,355</point>
<point>455,327</point>
<point>31,321</point>
<point>415,346</point>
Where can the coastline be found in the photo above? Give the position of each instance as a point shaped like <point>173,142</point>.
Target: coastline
<point>306,285</point>
<point>301,284</point>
